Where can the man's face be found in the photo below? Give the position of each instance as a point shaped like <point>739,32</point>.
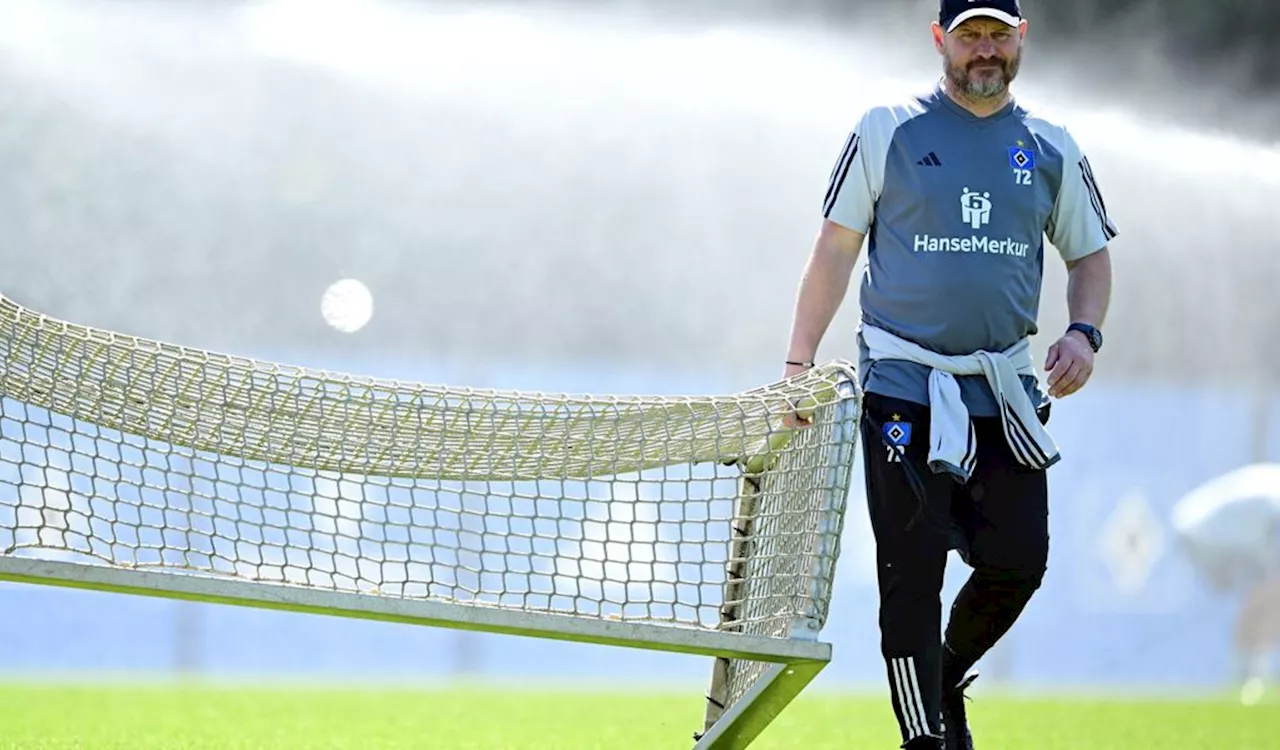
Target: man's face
<point>982,56</point>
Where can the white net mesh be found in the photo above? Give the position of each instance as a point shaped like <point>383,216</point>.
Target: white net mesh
<point>126,452</point>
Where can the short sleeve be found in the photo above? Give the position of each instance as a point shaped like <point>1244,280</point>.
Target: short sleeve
<point>858,176</point>
<point>1078,225</point>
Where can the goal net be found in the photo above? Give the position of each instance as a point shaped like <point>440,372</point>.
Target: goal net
<point>689,524</point>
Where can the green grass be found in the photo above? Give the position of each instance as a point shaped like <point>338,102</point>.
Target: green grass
<point>189,718</point>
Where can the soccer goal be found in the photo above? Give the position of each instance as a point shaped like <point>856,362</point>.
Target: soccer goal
<point>697,525</point>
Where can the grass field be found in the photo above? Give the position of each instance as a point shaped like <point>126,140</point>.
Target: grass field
<point>152,717</point>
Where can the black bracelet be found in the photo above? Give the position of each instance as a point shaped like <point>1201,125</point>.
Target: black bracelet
<point>800,364</point>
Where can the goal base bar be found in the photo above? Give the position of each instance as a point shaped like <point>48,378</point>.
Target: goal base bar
<point>459,616</point>
<point>747,718</point>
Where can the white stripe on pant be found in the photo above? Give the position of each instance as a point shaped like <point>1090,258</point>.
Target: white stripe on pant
<point>907,687</point>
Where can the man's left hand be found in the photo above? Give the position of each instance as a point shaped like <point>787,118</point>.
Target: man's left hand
<point>1070,363</point>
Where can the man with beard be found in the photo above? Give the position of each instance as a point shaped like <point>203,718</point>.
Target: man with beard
<point>955,192</point>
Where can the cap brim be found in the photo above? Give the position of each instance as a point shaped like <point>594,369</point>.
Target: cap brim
<point>999,15</point>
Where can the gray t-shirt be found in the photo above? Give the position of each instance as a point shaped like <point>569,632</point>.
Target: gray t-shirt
<point>956,208</point>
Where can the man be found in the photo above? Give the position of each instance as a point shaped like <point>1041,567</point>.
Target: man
<point>955,191</point>
<point>1229,530</point>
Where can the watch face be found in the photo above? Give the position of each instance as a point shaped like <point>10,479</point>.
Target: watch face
<point>1092,334</point>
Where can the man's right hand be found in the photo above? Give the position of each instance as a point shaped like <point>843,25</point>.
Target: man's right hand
<point>793,419</point>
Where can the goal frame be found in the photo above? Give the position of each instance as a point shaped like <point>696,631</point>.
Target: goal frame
<point>793,662</point>
<point>763,658</point>
<point>362,606</point>
<point>736,724</point>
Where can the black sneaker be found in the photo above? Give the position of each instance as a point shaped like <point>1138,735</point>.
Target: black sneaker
<point>954,722</point>
<point>924,742</point>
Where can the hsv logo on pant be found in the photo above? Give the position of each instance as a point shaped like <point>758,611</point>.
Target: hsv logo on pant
<point>897,436</point>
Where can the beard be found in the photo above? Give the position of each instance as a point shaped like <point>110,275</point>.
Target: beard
<point>986,84</point>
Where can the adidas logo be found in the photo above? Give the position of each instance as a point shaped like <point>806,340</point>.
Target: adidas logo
<point>931,160</point>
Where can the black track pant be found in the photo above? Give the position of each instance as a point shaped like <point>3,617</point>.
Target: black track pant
<point>999,522</point>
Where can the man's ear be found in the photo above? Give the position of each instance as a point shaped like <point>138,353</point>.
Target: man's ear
<point>939,35</point>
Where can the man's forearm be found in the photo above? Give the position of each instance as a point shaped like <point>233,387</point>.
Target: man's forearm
<point>1089,288</point>
<point>822,289</point>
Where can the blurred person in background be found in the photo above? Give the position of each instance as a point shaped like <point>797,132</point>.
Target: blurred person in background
<point>1229,528</point>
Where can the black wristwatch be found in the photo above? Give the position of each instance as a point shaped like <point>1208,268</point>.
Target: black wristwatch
<point>1090,332</point>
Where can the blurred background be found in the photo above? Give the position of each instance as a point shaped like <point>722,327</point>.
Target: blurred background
<point>619,197</point>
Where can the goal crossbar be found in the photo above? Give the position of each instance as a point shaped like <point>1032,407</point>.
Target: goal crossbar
<point>411,611</point>
<point>705,525</point>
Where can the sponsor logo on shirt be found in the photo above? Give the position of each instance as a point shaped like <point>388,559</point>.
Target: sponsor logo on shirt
<point>975,211</point>
<point>975,208</point>
<point>925,243</point>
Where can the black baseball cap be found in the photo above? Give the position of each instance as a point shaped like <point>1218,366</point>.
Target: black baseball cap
<point>956,12</point>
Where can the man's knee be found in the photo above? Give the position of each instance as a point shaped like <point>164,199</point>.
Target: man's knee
<point>1016,557</point>
<point>1023,578</point>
